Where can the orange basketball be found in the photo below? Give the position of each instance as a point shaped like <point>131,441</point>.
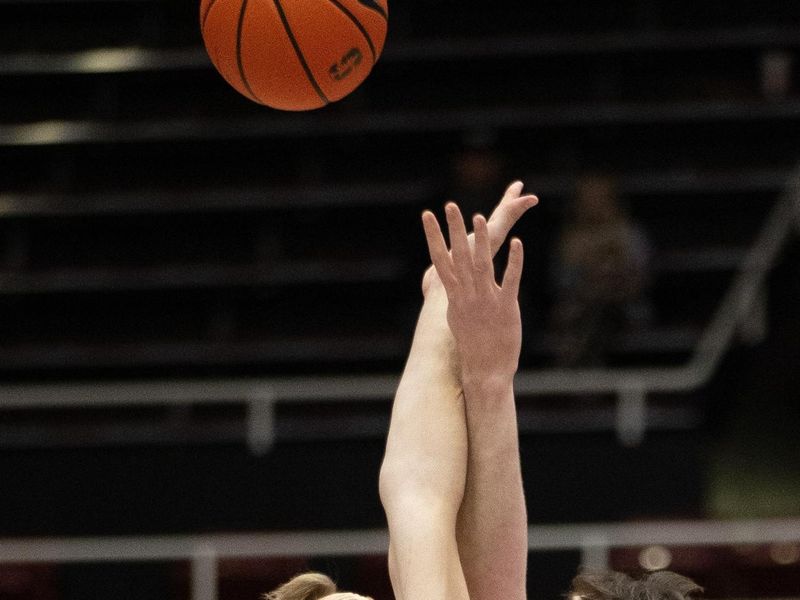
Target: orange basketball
<point>294,54</point>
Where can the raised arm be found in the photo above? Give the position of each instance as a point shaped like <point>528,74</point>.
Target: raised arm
<point>423,474</point>
<point>485,320</point>
<point>424,468</point>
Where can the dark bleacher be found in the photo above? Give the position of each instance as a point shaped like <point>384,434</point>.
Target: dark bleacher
<point>155,220</point>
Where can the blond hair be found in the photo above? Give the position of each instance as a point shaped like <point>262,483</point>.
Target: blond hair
<point>610,585</point>
<point>307,586</point>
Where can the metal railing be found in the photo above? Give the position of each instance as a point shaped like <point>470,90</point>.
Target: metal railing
<point>594,541</point>
<point>740,310</point>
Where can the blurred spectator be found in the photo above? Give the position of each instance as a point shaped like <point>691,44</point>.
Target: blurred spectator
<point>600,272</point>
<point>477,174</point>
<point>776,74</point>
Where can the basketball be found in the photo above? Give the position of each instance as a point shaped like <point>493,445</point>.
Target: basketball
<point>294,54</point>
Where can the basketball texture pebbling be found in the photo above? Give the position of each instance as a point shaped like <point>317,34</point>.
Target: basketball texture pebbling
<point>294,54</point>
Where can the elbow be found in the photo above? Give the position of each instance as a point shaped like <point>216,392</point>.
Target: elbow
<point>407,489</point>
<point>392,483</point>
<point>397,483</point>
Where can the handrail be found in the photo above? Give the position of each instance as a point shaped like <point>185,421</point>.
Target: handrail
<point>593,540</point>
<point>630,385</point>
<point>541,538</point>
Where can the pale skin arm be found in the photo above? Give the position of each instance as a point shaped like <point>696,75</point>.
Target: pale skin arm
<point>485,321</point>
<point>424,471</point>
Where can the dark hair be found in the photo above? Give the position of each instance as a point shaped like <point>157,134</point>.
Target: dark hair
<point>610,585</point>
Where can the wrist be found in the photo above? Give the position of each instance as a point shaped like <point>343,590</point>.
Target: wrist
<point>490,383</point>
<point>486,359</point>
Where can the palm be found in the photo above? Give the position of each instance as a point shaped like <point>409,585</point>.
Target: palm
<point>483,316</point>
<point>499,333</point>
<point>503,218</point>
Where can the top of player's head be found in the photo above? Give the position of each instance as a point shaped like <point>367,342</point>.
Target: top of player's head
<point>611,585</point>
<point>310,586</point>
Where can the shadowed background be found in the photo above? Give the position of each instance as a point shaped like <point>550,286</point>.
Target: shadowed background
<point>154,224</point>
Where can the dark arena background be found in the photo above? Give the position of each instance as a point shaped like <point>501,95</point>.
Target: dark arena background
<point>205,304</point>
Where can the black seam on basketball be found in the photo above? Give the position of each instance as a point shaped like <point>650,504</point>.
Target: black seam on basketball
<point>205,15</point>
<point>239,54</point>
<point>299,53</point>
<point>373,5</point>
<point>358,24</point>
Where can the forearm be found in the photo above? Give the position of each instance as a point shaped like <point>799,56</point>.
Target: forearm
<point>424,474</point>
<point>492,523</point>
<point>426,448</point>
<point>424,469</point>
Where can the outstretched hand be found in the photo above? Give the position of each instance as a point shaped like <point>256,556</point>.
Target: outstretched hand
<point>505,215</point>
<point>483,316</point>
